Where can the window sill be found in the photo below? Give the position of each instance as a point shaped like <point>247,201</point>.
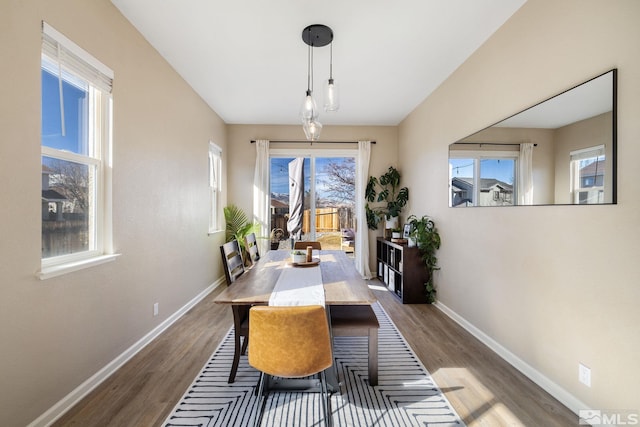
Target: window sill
<point>59,270</point>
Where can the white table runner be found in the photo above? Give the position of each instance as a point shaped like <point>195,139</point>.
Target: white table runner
<point>298,286</point>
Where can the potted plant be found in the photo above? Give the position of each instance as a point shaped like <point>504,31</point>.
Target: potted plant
<point>426,237</point>
<point>238,227</point>
<point>387,192</point>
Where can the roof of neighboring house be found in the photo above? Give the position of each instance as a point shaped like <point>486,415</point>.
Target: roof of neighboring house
<point>594,168</point>
<point>485,183</point>
<point>52,196</point>
<point>275,203</point>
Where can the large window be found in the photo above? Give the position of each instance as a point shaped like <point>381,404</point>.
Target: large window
<point>215,189</point>
<point>76,124</point>
<point>313,197</point>
<point>587,175</point>
<point>487,179</point>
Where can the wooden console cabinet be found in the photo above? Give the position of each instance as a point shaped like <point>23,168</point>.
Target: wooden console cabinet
<point>401,269</point>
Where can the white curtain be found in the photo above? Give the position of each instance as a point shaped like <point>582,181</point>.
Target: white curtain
<point>525,174</point>
<point>261,196</point>
<point>362,233</point>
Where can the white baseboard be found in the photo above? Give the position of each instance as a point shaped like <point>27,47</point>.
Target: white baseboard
<point>66,403</point>
<point>537,377</point>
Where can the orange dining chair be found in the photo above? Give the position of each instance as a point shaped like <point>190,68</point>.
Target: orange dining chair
<point>289,342</point>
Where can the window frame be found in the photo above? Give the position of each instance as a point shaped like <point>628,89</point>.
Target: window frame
<point>575,157</point>
<point>215,187</point>
<point>71,58</point>
<point>313,154</point>
<point>478,156</point>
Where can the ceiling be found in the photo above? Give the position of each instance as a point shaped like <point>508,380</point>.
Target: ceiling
<point>247,60</point>
<point>584,101</point>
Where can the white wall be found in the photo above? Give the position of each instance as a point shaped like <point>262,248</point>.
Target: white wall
<point>554,285</point>
<point>55,334</point>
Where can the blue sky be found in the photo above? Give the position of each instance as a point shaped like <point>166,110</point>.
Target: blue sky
<point>502,169</point>
<point>280,173</point>
<point>74,104</point>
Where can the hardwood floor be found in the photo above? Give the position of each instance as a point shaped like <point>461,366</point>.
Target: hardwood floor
<point>484,389</point>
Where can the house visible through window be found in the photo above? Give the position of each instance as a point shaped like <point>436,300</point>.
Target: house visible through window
<point>479,180</point>
<point>587,175</point>
<point>215,166</point>
<point>76,122</point>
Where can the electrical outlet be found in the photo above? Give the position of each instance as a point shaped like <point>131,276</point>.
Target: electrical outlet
<point>156,309</point>
<point>584,374</point>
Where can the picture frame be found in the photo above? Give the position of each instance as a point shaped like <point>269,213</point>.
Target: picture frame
<point>406,231</point>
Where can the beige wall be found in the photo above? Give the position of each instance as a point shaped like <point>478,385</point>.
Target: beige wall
<point>553,285</point>
<point>55,334</point>
<point>242,154</point>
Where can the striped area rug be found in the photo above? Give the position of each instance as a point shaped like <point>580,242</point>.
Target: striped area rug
<point>406,395</point>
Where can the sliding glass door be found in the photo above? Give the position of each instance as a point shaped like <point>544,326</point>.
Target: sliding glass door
<point>313,198</point>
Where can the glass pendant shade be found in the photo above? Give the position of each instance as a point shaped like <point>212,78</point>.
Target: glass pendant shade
<point>309,110</point>
<point>312,129</point>
<point>331,96</point>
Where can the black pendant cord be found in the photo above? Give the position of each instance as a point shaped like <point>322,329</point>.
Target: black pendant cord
<point>309,69</point>
<point>331,62</point>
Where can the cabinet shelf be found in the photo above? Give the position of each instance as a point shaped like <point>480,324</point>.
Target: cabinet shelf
<point>401,269</point>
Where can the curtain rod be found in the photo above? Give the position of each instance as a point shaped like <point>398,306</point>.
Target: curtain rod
<point>311,142</point>
<point>487,143</point>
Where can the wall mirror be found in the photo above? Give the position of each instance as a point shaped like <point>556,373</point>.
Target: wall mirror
<point>561,151</point>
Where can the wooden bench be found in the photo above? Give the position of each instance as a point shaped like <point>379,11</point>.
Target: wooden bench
<point>357,321</point>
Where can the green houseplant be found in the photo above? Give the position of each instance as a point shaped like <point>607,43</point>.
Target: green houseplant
<point>386,192</point>
<point>426,237</point>
<point>238,226</point>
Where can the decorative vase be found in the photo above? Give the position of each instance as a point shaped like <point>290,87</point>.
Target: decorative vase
<point>391,223</point>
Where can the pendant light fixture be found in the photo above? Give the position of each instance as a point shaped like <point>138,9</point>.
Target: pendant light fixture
<point>331,99</point>
<point>317,35</point>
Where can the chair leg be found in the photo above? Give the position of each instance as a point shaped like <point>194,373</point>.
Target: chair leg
<point>261,400</point>
<point>373,356</point>
<point>245,343</point>
<point>326,403</point>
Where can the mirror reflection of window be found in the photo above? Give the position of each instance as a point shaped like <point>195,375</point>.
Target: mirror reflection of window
<point>587,175</point>
<point>477,180</point>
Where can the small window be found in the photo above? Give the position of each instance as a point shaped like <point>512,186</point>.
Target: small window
<point>215,187</point>
<point>587,175</point>
<point>75,147</point>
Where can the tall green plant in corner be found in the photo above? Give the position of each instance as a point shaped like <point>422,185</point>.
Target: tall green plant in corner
<point>387,192</point>
<point>238,226</point>
<point>426,237</point>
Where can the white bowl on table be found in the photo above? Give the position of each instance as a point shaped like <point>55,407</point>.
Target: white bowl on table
<point>298,258</point>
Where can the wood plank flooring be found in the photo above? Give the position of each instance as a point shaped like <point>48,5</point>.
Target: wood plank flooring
<point>483,388</point>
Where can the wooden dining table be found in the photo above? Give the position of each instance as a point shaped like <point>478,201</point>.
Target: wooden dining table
<point>342,283</point>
